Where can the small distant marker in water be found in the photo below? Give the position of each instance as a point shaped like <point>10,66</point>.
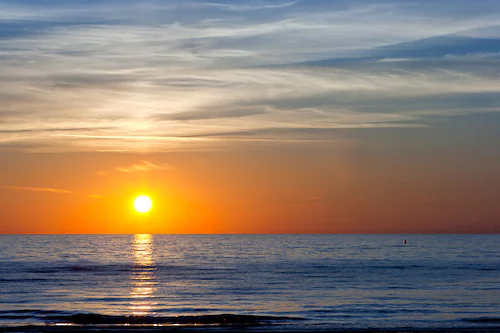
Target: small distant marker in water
<point>404,241</point>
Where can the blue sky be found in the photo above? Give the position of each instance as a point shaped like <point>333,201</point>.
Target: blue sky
<point>196,75</point>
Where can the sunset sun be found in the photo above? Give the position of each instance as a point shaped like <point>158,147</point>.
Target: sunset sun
<point>143,204</point>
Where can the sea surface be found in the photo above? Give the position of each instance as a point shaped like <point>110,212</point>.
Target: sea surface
<point>250,282</point>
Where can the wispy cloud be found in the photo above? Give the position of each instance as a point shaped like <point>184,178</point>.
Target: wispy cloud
<point>38,189</point>
<point>41,130</point>
<point>156,76</point>
<point>258,5</point>
<point>48,190</point>
<point>215,114</point>
<point>143,166</point>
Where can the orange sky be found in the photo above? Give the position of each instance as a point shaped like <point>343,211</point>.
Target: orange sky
<point>353,188</point>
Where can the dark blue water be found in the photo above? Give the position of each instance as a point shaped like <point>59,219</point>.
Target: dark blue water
<point>259,282</point>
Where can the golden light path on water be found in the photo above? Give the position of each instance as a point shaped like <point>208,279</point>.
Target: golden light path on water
<point>143,276</point>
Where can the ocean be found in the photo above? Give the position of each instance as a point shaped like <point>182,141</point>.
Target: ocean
<point>250,282</point>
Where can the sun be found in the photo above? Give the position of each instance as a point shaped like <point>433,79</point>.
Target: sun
<point>143,204</point>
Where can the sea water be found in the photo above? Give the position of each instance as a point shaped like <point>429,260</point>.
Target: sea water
<point>258,282</point>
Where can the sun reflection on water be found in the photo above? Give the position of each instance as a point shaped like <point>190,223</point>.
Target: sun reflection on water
<point>143,276</point>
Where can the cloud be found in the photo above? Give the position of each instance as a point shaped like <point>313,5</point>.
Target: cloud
<point>40,130</point>
<point>216,114</point>
<point>142,167</point>
<point>161,76</point>
<point>38,189</point>
<point>297,134</point>
<point>49,190</point>
<point>259,5</point>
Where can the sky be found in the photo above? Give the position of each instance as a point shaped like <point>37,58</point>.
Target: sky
<point>307,116</point>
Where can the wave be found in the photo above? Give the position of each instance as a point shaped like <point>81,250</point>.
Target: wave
<point>113,268</point>
<point>91,267</point>
<point>53,317</point>
<point>24,280</point>
<point>220,319</point>
<point>483,320</point>
<point>31,311</point>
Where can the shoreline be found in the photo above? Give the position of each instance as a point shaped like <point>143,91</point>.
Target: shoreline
<point>275,328</point>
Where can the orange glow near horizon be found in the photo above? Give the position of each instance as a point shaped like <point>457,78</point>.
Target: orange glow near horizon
<point>244,192</point>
